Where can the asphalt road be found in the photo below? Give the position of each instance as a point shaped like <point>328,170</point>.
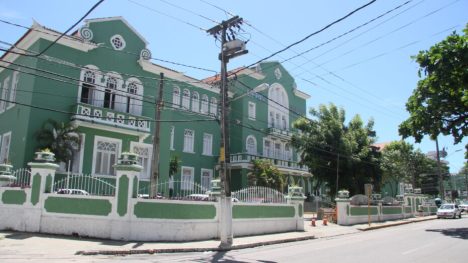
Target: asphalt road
<point>442,240</point>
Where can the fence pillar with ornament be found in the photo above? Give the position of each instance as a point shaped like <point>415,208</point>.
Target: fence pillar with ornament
<point>127,171</point>
<point>296,197</point>
<point>43,171</point>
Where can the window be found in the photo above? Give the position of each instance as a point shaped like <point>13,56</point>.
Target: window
<point>251,145</point>
<point>287,152</point>
<point>14,85</point>
<point>204,104</point>
<point>195,102</point>
<point>266,148</point>
<point>134,103</point>
<point>118,43</point>
<point>172,138</point>
<point>186,99</point>
<point>106,151</point>
<point>213,106</point>
<point>252,112</point>
<point>283,121</point>
<point>176,97</point>
<point>6,86</point>
<point>87,88</point>
<point>187,178</point>
<point>5,148</point>
<point>109,94</point>
<point>207,144</point>
<point>188,141</point>
<point>278,116</point>
<point>144,157</point>
<point>206,177</point>
<point>272,120</point>
<point>278,151</point>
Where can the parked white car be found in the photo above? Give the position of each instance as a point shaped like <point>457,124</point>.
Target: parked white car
<point>463,207</point>
<point>449,211</point>
<point>72,192</point>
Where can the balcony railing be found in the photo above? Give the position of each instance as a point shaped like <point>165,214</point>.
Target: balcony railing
<point>87,112</point>
<point>247,158</point>
<point>287,134</point>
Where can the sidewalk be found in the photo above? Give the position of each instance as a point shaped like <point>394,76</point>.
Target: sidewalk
<point>38,244</point>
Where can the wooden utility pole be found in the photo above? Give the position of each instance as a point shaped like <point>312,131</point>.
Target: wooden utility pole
<point>156,146</point>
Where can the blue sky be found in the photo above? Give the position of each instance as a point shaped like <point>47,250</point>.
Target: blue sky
<point>367,72</point>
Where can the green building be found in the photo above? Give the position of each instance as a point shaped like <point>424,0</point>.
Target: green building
<point>101,80</point>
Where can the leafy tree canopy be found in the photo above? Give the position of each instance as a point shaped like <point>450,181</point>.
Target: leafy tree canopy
<point>62,139</point>
<point>327,143</point>
<point>439,104</point>
<point>264,173</point>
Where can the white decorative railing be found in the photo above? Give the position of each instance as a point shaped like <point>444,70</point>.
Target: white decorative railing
<point>178,190</point>
<point>87,112</point>
<point>23,178</point>
<point>247,158</point>
<point>259,194</point>
<point>83,184</point>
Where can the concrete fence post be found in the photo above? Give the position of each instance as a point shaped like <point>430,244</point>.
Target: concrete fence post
<point>296,197</point>
<point>43,171</point>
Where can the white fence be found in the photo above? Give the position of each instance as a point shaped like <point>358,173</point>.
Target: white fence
<point>83,184</point>
<point>178,190</point>
<point>259,194</point>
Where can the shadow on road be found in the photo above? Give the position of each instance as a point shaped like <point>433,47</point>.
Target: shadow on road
<point>461,233</point>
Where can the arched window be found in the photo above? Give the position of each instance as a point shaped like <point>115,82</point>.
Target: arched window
<point>176,97</point>
<point>186,99</point>
<point>213,106</point>
<point>251,145</point>
<point>195,102</point>
<point>134,101</point>
<point>109,94</point>
<point>89,93</point>
<point>287,152</point>
<point>279,115</point>
<point>204,104</point>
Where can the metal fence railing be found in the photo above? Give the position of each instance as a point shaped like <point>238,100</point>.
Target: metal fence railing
<point>83,184</point>
<point>23,178</point>
<point>259,194</point>
<point>177,190</point>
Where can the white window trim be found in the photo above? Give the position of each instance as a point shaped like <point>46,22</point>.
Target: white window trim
<point>201,176</point>
<point>82,149</point>
<point>150,156</point>
<point>7,153</point>
<point>210,152</point>
<point>192,180</point>
<point>13,89</point>
<point>171,138</point>
<point>193,142</point>
<point>119,151</point>
<point>246,145</point>
<point>252,116</point>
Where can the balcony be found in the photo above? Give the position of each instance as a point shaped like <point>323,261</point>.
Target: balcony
<point>90,113</point>
<point>283,134</point>
<point>240,158</point>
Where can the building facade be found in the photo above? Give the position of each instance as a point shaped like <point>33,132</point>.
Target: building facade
<point>101,80</point>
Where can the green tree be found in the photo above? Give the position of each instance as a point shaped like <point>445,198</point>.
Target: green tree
<point>264,173</point>
<point>401,163</point>
<point>440,101</point>
<point>328,146</point>
<point>62,139</point>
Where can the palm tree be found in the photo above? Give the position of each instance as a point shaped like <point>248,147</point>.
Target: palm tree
<point>62,139</point>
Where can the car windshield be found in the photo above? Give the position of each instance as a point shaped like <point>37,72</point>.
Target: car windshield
<point>446,207</point>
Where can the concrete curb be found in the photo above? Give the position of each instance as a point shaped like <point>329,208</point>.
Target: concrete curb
<point>395,224</point>
<point>185,250</point>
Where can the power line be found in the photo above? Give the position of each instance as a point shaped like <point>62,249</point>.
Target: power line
<point>387,34</point>
<point>70,28</point>
<point>189,11</point>
<point>310,35</point>
<point>102,117</point>
<point>164,14</point>
<point>349,31</point>
<point>100,46</point>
